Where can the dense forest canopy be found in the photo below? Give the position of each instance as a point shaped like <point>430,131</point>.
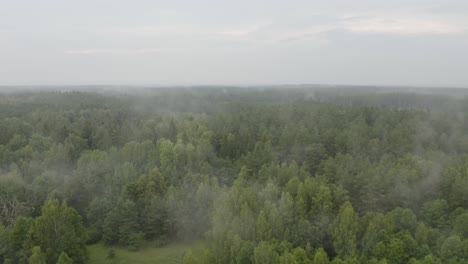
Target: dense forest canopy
<point>263,175</point>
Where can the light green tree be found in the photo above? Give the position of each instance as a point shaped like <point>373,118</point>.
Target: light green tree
<point>265,254</point>
<point>64,259</point>
<point>37,256</point>
<point>344,231</point>
<point>321,257</point>
<point>60,229</point>
<point>263,228</point>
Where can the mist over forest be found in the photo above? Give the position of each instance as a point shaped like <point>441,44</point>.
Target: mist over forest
<point>307,174</point>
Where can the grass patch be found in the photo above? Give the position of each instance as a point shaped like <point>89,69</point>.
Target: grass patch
<point>170,254</point>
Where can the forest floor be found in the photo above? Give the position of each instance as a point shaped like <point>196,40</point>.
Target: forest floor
<point>169,254</point>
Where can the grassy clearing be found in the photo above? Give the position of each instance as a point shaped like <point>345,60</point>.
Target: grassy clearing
<point>168,254</point>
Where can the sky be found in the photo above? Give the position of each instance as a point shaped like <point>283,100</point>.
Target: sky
<point>237,42</point>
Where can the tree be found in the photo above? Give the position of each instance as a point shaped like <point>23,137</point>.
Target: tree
<point>121,223</point>
<point>167,159</point>
<point>4,244</point>
<point>37,256</point>
<point>64,259</point>
<point>423,234</point>
<point>452,248</point>
<point>300,255</point>
<point>60,229</point>
<point>20,234</point>
<point>287,258</point>
<point>151,184</point>
<point>395,251</point>
<point>261,154</point>
<point>265,254</point>
<point>263,228</point>
<point>429,259</point>
<point>461,225</point>
<point>155,219</point>
<point>134,241</point>
<point>344,231</point>
<point>321,257</point>
<point>164,167</point>
<point>11,208</point>
<point>436,213</point>
<point>404,219</point>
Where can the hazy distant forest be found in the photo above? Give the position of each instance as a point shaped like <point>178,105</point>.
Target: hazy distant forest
<point>259,175</point>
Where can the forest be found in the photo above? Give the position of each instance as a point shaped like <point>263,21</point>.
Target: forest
<point>261,175</point>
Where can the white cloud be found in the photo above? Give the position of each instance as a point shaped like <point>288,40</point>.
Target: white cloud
<point>400,22</point>
<point>405,23</point>
<point>266,31</point>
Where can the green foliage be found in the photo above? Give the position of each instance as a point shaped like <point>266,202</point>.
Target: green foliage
<point>37,257</point>
<point>436,213</point>
<point>263,228</point>
<point>452,248</point>
<point>121,223</point>
<point>264,253</point>
<point>429,259</point>
<point>134,241</point>
<point>20,233</point>
<point>344,231</point>
<point>404,220</point>
<point>321,257</point>
<point>461,225</point>
<point>60,229</point>
<point>287,258</point>
<point>264,175</point>
<point>64,259</point>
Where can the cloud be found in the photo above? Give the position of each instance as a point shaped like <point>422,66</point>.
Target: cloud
<point>111,51</point>
<point>266,30</point>
<point>404,26</point>
<point>400,22</point>
<point>405,23</point>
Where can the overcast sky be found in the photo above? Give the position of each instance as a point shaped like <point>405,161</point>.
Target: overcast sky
<point>238,42</point>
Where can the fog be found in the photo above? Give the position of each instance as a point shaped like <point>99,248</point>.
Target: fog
<point>261,131</point>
